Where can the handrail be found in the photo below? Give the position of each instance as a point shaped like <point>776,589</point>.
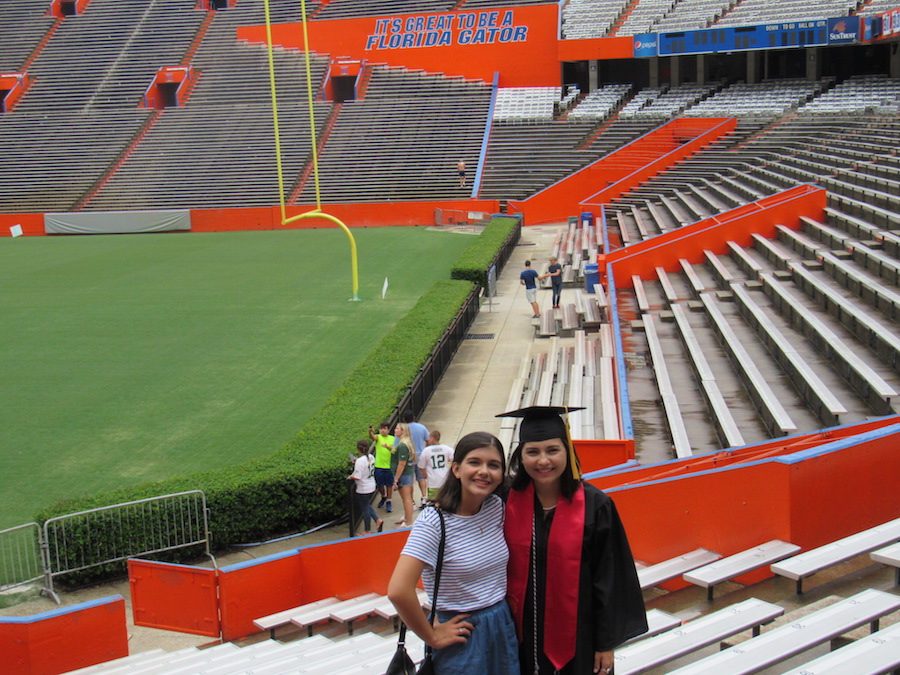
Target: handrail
<point>488,124</point>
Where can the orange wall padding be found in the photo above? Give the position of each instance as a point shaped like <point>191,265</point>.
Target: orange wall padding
<point>620,170</point>
<point>363,214</point>
<point>725,511</point>
<point>596,49</point>
<point>32,223</point>
<point>64,639</point>
<point>344,569</point>
<point>174,597</point>
<point>372,214</point>
<point>805,498</point>
<point>844,492</point>
<point>689,242</point>
<point>255,589</point>
<point>716,460</point>
<point>595,454</point>
<point>531,61</point>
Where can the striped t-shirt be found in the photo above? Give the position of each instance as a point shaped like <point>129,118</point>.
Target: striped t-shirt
<point>475,556</point>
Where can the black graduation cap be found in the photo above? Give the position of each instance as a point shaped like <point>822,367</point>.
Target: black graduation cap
<point>543,422</point>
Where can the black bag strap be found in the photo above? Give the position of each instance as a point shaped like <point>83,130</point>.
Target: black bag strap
<point>440,565</point>
<point>437,574</point>
<point>401,638</point>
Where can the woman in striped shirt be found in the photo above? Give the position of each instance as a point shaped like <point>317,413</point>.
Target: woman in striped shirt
<point>473,631</point>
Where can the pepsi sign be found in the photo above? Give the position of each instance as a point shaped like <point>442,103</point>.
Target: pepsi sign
<point>645,45</point>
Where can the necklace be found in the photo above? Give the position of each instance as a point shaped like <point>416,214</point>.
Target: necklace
<point>534,596</point>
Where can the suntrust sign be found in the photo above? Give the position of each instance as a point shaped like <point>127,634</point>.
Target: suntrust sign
<point>443,30</point>
<point>844,30</point>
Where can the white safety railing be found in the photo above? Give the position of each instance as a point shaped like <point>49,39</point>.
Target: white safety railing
<point>20,556</point>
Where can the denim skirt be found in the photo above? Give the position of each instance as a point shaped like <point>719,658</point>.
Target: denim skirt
<point>490,650</point>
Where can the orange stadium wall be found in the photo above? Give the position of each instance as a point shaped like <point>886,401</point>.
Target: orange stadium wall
<point>621,170</point>
<point>842,491</point>
<point>595,455</point>
<point>801,498</point>
<point>596,49</point>
<point>344,569</point>
<point>689,242</point>
<point>32,223</point>
<point>183,598</point>
<point>376,214</point>
<point>518,42</point>
<point>715,460</point>
<point>189,599</point>
<point>64,639</point>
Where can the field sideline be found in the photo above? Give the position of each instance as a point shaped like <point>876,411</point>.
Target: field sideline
<point>135,358</point>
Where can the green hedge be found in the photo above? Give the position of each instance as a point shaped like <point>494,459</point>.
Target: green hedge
<point>474,262</point>
<point>303,484</point>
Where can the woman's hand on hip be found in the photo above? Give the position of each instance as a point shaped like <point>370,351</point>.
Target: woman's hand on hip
<point>603,662</point>
<point>454,631</point>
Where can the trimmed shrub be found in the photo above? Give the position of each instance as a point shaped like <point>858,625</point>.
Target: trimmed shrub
<point>475,261</point>
<point>303,484</point>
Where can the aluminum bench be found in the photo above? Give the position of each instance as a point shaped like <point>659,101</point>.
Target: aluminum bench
<point>878,652</point>
<point>889,555</point>
<point>693,635</point>
<point>806,564</point>
<point>740,563</point>
<point>653,575</point>
<point>788,640</point>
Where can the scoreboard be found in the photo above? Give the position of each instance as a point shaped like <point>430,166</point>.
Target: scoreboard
<point>782,35</point>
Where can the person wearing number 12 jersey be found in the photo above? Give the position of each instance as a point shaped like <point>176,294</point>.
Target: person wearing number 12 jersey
<point>434,462</point>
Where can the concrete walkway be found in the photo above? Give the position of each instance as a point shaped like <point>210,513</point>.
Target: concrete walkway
<point>476,386</point>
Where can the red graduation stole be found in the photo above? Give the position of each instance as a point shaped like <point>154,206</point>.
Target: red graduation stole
<point>563,568</point>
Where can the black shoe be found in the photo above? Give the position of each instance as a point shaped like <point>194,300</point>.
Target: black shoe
<point>381,503</point>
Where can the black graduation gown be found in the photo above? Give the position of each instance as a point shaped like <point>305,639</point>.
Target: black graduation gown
<point>611,606</point>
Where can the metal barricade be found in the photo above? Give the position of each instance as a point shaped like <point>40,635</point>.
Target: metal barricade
<point>109,534</point>
<point>20,556</point>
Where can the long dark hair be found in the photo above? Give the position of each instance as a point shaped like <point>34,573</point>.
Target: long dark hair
<point>450,494</point>
<point>519,478</point>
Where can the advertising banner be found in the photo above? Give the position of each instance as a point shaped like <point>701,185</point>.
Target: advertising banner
<point>843,30</point>
<point>646,45</point>
<point>518,42</point>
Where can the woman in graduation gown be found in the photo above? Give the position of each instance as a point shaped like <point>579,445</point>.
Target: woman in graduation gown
<point>572,584</point>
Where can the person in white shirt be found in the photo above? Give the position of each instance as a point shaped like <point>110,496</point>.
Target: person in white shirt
<point>434,463</point>
<point>364,477</point>
<point>473,631</point>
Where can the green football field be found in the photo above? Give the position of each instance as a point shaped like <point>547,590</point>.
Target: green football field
<point>134,358</point>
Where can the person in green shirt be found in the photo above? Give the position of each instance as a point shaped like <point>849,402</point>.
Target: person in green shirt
<point>384,477</point>
<point>403,467</point>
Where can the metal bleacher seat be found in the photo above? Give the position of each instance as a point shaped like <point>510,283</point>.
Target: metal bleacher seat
<point>654,575</point>
<point>806,564</point>
<point>878,652</point>
<point>889,555</point>
<point>781,643</point>
<point>694,635</point>
<point>708,576</point>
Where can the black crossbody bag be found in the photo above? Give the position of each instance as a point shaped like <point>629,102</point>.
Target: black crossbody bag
<point>402,663</point>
